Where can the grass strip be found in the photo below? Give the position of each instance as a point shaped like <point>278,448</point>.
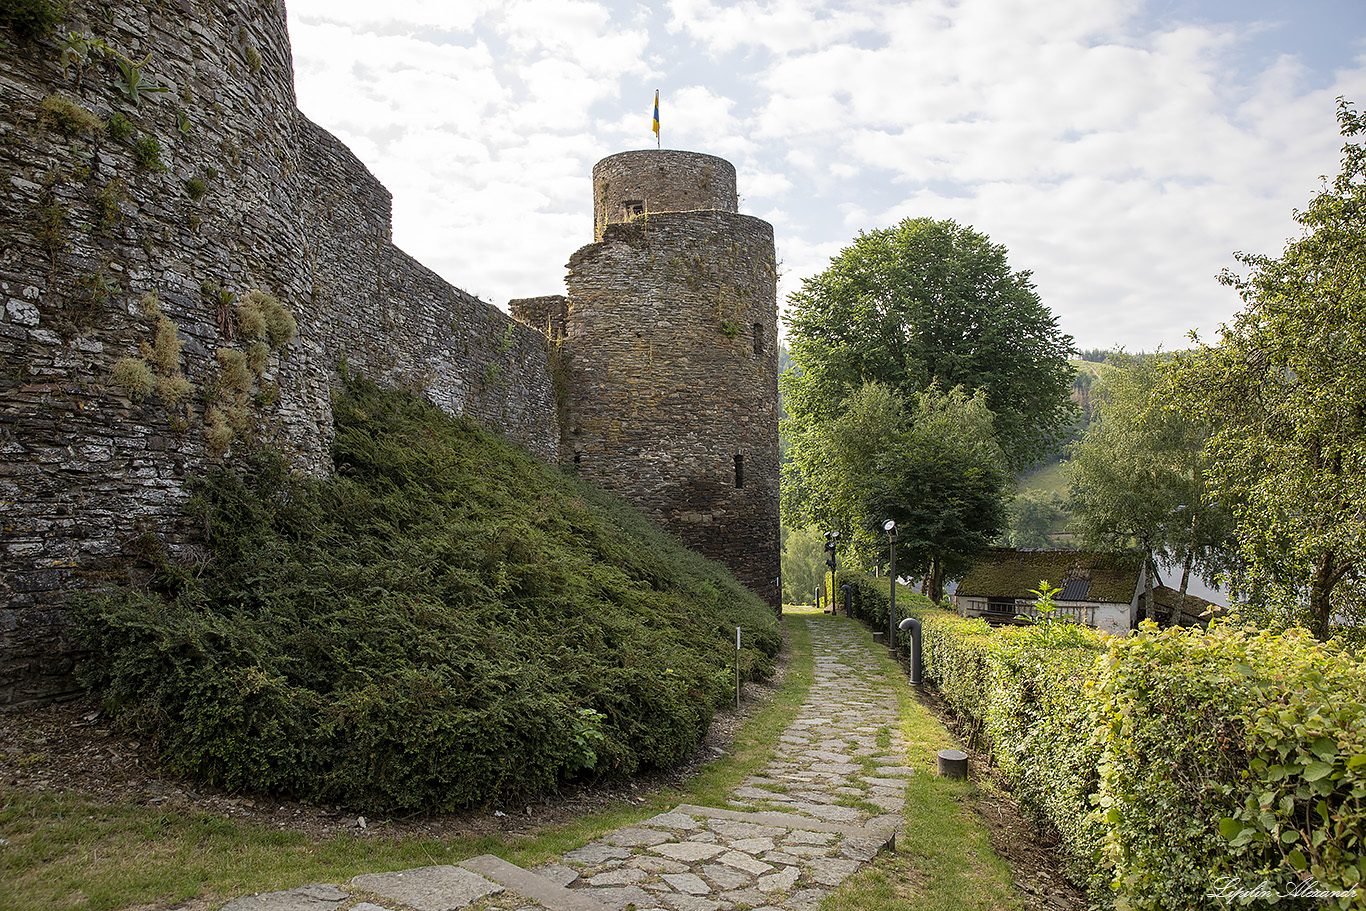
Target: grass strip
<point>943,859</point>
<point>70,851</point>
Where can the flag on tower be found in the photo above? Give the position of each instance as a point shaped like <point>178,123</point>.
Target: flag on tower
<point>656,123</point>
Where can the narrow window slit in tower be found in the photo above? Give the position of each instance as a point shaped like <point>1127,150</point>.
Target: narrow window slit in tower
<point>758,338</point>
<point>739,471</point>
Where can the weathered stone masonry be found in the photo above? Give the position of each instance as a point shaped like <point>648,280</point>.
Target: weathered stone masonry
<point>669,338</point>
<point>219,186</point>
<point>86,231</point>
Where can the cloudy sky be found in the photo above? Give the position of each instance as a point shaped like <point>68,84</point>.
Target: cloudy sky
<point>1121,150</point>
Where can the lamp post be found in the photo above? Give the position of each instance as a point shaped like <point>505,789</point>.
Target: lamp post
<point>890,527</point>
<point>832,561</point>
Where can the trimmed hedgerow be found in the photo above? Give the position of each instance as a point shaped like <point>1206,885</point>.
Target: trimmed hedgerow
<point>1177,766</point>
<point>1232,759</point>
<point>445,622</point>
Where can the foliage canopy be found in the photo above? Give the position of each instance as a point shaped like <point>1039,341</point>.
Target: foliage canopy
<point>1138,475</point>
<point>1285,394</point>
<point>444,622</point>
<point>931,302</point>
<point>931,465</point>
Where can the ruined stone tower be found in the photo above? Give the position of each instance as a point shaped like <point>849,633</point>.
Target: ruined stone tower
<point>669,336</point>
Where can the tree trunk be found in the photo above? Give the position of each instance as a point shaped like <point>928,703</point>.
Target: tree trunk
<point>1185,580</point>
<point>936,580</point>
<point>1326,574</point>
<point>1149,609</point>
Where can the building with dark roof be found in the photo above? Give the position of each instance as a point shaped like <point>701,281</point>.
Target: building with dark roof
<point>1099,590</point>
<point>1104,591</point>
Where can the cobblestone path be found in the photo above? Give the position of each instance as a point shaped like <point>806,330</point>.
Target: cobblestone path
<point>827,803</point>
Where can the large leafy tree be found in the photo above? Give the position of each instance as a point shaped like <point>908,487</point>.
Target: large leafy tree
<point>931,464</point>
<point>931,302</point>
<point>1033,515</point>
<point>1285,391</point>
<point>803,564</point>
<point>1139,476</point>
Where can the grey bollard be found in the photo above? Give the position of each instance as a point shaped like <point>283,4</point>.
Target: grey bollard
<point>912,624</point>
<point>953,764</point>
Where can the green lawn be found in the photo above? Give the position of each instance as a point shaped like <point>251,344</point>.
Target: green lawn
<point>1055,478</point>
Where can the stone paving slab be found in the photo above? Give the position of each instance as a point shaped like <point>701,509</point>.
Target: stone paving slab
<point>541,889</point>
<point>439,888</point>
<point>827,803</point>
<point>317,897</point>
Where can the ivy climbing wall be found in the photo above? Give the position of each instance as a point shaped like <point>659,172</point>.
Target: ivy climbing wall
<point>186,264</point>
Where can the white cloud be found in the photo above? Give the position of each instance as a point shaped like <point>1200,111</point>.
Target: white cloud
<point>392,15</point>
<point>1121,157</point>
<point>780,26</point>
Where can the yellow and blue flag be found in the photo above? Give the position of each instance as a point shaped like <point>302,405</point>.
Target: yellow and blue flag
<point>656,124</point>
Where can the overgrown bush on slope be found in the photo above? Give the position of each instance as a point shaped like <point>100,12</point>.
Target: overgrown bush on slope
<point>444,622</point>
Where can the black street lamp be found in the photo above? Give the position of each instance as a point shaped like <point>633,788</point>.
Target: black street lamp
<point>890,527</point>
<point>832,561</point>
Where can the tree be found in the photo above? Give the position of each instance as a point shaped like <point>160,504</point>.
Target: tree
<point>930,302</point>
<point>834,465</point>
<point>803,564</point>
<point>1285,393</point>
<point>1032,515</point>
<point>933,466</point>
<point>1139,477</point>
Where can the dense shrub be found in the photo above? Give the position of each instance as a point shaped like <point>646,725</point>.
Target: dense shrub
<point>1235,757</point>
<point>1024,694</point>
<point>870,598</point>
<point>30,19</point>
<point>1173,764</point>
<point>444,622</point>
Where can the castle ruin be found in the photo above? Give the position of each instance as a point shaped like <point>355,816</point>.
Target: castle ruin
<point>125,212</point>
<point>669,331</point>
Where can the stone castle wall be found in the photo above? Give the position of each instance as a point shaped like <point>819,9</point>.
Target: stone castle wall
<point>670,342</point>
<point>219,187</point>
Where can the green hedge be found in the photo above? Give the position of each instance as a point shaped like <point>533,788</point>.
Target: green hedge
<point>1173,764</point>
<point>1233,757</point>
<point>444,622</point>
<point>870,598</point>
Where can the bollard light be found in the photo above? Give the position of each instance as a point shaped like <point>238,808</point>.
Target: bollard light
<point>912,624</point>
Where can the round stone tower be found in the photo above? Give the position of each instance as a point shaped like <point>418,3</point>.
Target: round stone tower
<point>638,183</point>
<point>670,342</point>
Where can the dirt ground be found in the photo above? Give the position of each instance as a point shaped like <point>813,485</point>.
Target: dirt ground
<point>75,747</point>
